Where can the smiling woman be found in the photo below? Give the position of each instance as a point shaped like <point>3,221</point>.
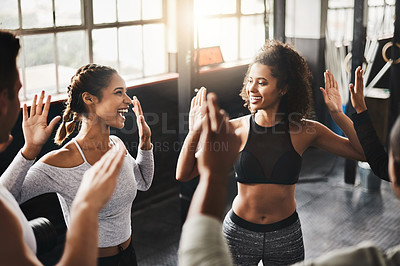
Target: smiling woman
<point>97,100</point>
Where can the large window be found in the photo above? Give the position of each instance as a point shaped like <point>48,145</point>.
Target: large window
<point>59,36</point>
<point>133,36</point>
<point>380,19</point>
<point>236,26</point>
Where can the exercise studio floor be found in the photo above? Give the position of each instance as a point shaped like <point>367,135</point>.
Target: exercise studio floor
<point>333,214</point>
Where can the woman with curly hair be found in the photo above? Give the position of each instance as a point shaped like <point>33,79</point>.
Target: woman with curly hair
<point>263,223</point>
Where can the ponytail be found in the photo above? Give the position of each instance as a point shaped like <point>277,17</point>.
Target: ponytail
<point>67,127</point>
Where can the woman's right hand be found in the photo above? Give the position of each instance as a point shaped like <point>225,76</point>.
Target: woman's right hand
<point>357,92</point>
<point>35,128</point>
<point>197,110</point>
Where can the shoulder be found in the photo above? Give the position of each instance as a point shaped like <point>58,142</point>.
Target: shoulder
<point>116,140</point>
<point>67,156</point>
<point>242,121</point>
<point>307,126</point>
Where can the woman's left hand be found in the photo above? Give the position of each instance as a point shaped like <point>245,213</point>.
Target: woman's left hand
<point>331,93</point>
<point>144,129</point>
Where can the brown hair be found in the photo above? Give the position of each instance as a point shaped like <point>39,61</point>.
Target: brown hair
<point>9,48</point>
<point>91,78</point>
<point>292,72</point>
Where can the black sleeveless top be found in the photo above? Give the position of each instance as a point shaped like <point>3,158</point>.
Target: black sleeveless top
<point>268,156</point>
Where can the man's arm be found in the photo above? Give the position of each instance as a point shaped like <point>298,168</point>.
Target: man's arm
<point>374,151</point>
<point>202,242</point>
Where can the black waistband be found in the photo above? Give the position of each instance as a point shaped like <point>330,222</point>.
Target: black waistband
<point>263,227</point>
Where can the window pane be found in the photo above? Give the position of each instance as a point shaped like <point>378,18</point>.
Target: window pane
<point>252,35</point>
<point>229,39</point>
<point>130,52</point>
<point>9,14</point>
<point>154,49</point>
<point>68,12</point>
<point>39,64</point>
<point>104,11</point>
<point>105,47</point>
<point>340,3</point>
<point>252,6</point>
<point>212,7</point>
<point>36,13</point>
<point>209,32</point>
<point>340,25</point>
<point>128,10</point>
<point>72,54</point>
<point>220,32</point>
<point>152,9</point>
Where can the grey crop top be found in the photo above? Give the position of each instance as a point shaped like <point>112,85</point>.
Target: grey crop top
<point>115,217</point>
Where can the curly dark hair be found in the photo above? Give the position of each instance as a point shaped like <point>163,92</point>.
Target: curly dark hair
<point>292,72</point>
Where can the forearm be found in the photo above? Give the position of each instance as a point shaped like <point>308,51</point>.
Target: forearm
<point>374,151</point>
<point>145,162</point>
<point>186,165</point>
<point>81,246</point>
<point>346,125</point>
<point>15,173</point>
<point>209,197</point>
<point>30,151</point>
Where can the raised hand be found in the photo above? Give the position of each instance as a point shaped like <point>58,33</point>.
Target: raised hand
<point>357,92</point>
<point>220,142</point>
<point>331,93</point>
<point>99,181</point>
<point>144,129</point>
<point>35,128</point>
<point>197,109</point>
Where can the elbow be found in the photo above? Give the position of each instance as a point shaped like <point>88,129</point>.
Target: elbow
<point>180,177</point>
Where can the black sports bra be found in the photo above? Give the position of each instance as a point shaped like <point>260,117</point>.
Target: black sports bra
<point>268,156</point>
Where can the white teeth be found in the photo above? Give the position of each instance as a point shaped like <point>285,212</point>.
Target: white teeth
<point>255,98</point>
<point>122,110</point>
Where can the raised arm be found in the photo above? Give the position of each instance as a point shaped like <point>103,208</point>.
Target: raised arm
<point>144,167</point>
<point>374,151</point>
<point>350,147</point>
<point>36,133</point>
<point>186,168</point>
<point>202,242</point>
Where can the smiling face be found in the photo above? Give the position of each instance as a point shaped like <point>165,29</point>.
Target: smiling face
<point>114,103</point>
<point>261,88</point>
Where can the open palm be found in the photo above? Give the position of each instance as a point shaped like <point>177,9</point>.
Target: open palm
<point>35,128</point>
<point>331,93</point>
<point>197,109</point>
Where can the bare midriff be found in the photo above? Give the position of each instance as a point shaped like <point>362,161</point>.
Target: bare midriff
<point>264,203</point>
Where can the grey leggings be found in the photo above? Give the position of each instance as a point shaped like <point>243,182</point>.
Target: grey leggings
<point>279,243</point>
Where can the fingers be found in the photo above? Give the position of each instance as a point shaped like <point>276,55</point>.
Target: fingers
<point>201,96</point>
<point>53,123</point>
<point>25,113</point>
<point>46,107</point>
<point>351,89</point>
<point>33,107</point>
<point>213,111</point>
<point>193,102</point>
<point>39,105</point>
<point>137,108</point>
<point>323,93</point>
